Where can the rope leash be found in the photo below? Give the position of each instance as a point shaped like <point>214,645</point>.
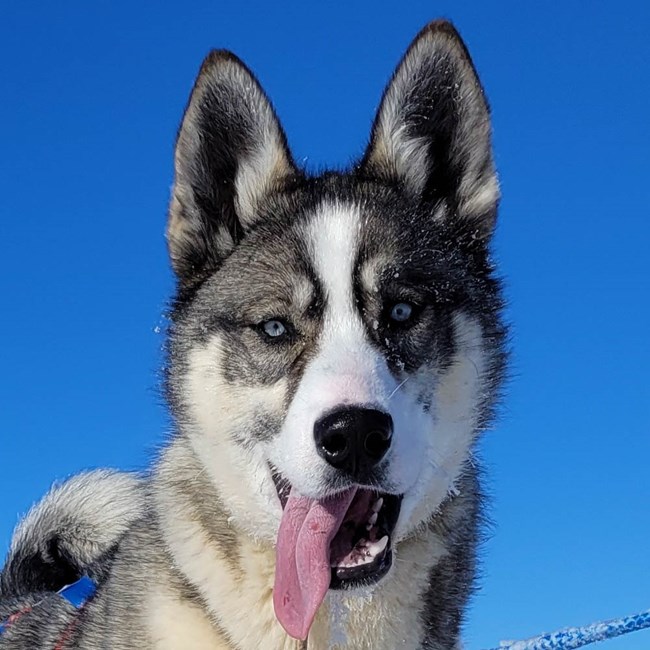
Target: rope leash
<point>577,637</point>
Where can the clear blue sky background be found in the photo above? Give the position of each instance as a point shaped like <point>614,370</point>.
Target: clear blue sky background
<point>91,97</point>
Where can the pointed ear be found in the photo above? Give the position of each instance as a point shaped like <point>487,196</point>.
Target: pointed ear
<point>432,132</point>
<point>230,154</point>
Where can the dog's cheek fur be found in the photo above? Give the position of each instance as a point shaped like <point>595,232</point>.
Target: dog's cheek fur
<point>228,424</point>
<point>457,397</point>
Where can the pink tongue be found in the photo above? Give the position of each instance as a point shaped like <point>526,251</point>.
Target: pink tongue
<point>302,559</point>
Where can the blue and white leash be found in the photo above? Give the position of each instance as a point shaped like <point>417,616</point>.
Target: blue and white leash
<point>576,637</point>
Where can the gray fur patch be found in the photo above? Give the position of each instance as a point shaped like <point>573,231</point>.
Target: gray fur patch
<point>195,495</point>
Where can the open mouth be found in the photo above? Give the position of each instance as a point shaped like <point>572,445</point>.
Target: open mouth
<point>341,542</point>
<point>360,552</point>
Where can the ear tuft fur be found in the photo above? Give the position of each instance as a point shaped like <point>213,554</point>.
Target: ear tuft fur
<point>432,133</point>
<point>231,153</point>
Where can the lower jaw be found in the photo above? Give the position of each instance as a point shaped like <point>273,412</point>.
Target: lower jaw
<point>362,578</point>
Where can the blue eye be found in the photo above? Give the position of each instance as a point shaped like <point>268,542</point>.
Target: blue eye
<point>274,328</point>
<point>401,312</point>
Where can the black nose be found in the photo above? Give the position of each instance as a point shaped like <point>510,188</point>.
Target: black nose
<point>354,439</point>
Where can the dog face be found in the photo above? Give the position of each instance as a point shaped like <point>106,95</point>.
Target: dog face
<point>336,339</point>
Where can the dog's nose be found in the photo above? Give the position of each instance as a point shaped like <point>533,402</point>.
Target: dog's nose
<point>354,439</point>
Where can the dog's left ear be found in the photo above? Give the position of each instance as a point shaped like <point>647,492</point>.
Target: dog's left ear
<point>432,133</point>
<point>231,153</point>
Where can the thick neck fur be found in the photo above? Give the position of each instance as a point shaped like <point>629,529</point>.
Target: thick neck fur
<point>234,574</point>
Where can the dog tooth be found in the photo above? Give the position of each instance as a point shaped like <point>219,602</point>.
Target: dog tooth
<point>373,520</point>
<point>378,504</point>
<point>377,547</point>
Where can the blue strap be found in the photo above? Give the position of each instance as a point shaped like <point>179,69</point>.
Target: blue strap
<point>78,593</point>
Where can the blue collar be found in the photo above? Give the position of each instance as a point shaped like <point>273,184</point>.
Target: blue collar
<point>80,592</point>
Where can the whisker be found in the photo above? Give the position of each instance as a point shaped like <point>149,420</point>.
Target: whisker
<point>398,387</point>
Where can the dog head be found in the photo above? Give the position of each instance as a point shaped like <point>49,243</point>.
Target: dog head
<point>336,344</point>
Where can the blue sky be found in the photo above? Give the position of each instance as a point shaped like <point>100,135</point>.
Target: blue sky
<point>92,95</point>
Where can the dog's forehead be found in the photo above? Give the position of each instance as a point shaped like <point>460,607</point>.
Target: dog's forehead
<point>320,232</point>
<point>348,241</point>
<point>374,235</point>
<point>325,245</point>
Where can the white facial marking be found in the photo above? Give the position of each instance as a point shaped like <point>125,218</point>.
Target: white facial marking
<point>347,369</point>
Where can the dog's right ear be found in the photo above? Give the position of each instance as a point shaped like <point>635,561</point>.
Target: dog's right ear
<point>231,152</point>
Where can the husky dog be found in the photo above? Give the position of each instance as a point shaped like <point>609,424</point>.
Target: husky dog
<point>335,349</point>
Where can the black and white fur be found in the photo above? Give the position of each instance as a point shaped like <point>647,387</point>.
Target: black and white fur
<point>253,238</point>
